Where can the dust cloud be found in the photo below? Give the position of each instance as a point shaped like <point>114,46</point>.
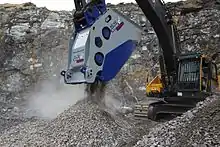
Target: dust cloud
<point>52,97</point>
<point>117,105</point>
<point>112,104</point>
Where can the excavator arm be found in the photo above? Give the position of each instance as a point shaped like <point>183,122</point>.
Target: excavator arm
<point>165,29</point>
<point>104,39</point>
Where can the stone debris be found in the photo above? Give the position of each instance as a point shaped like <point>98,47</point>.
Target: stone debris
<point>34,46</point>
<point>197,127</point>
<point>76,126</point>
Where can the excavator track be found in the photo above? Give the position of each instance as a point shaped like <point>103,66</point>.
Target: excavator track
<point>141,111</point>
<point>161,110</point>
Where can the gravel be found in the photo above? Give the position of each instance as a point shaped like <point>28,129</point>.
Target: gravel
<point>94,126</point>
<point>77,126</point>
<point>197,127</point>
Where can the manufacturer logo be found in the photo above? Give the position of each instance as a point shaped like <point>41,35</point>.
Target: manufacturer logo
<point>78,59</point>
<point>116,25</point>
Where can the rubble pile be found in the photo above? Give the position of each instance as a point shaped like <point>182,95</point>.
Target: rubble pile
<point>77,126</point>
<point>197,127</point>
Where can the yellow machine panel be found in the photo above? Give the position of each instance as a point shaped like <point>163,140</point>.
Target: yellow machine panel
<point>154,87</point>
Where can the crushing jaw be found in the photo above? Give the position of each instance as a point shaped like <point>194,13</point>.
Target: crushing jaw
<point>98,51</point>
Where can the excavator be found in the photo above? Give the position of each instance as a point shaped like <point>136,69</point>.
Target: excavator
<point>104,39</point>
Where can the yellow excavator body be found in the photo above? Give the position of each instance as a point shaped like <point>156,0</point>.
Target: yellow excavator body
<point>154,87</point>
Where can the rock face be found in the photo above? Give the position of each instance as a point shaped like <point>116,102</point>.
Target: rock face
<point>200,31</point>
<point>33,41</point>
<point>33,48</point>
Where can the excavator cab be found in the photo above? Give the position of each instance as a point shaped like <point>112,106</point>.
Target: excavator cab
<point>197,78</point>
<point>197,75</point>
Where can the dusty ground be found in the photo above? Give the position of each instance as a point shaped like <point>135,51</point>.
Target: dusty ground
<point>197,127</point>
<point>78,126</point>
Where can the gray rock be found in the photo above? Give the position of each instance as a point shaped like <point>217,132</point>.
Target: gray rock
<point>18,31</point>
<point>53,21</point>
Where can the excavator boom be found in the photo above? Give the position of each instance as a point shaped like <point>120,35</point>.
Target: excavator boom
<point>161,21</point>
